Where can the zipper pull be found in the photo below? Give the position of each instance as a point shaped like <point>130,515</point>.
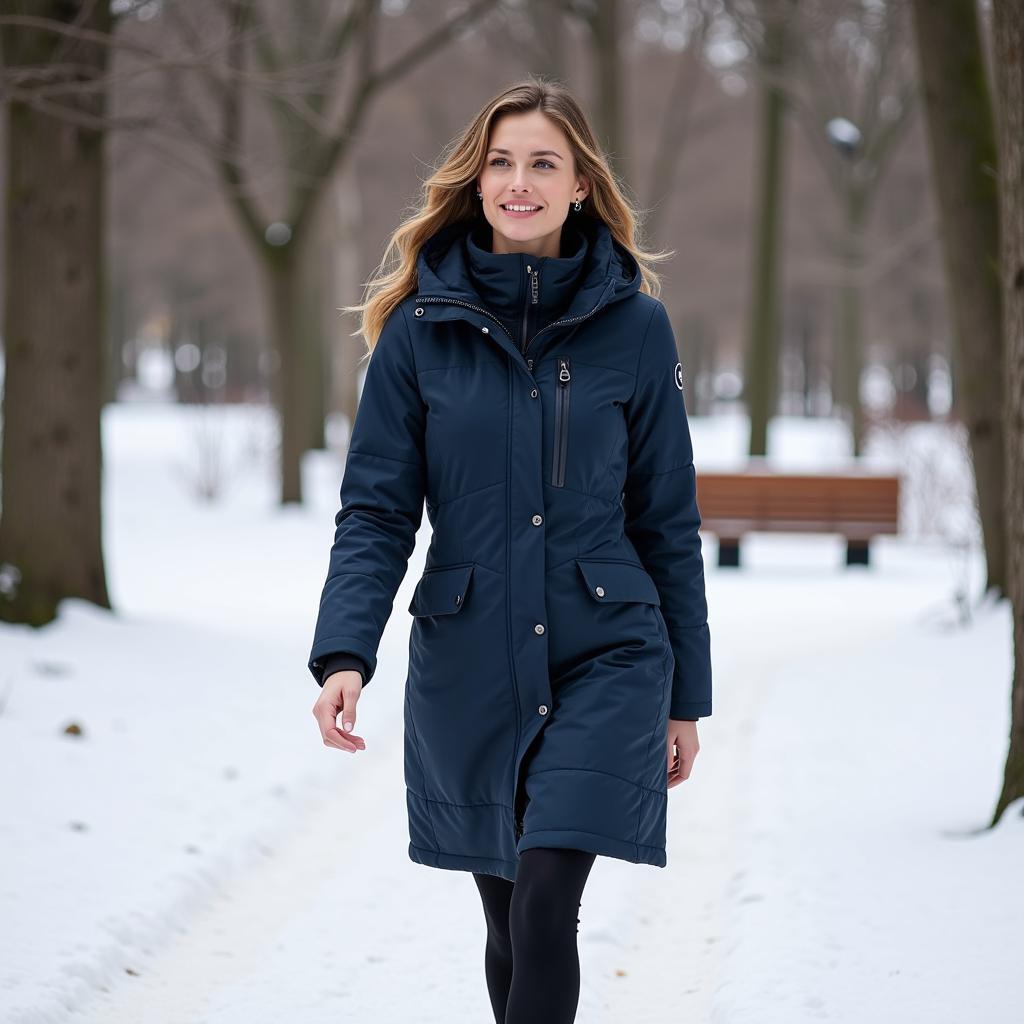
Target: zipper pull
<point>563,369</point>
<point>535,287</point>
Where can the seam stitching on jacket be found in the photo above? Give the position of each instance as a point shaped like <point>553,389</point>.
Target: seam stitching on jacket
<point>643,345</point>
<point>438,369</point>
<point>668,675</point>
<point>510,423</point>
<point>390,458</point>
<point>468,494</point>
<point>587,494</point>
<point>449,803</point>
<point>460,856</point>
<point>662,472</point>
<point>597,771</point>
<point>603,835</point>
<point>331,639</point>
<point>599,366</point>
<point>338,576</point>
<point>419,758</point>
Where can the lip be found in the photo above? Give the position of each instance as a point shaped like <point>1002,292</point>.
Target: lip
<point>519,215</point>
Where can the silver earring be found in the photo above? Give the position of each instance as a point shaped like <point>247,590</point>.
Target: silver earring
<point>577,206</point>
<point>479,195</point>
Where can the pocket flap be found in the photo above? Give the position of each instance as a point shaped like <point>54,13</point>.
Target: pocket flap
<point>441,591</point>
<point>618,581</point>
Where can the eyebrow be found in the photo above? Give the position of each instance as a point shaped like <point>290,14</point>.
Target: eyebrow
<point>536,152</point>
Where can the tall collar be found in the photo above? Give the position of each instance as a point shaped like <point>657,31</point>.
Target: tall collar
<point>592,270</point>
<point>507,282</point>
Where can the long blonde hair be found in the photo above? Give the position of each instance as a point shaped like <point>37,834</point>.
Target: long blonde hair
<point>449,195</point>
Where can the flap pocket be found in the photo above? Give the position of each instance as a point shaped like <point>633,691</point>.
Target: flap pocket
<point>618,581</point>
<point>441,591</point>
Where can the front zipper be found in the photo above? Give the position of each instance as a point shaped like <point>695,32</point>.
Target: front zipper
<point>561,447</point>
<point>532,274</point>
<point>557,323</point>
<point>574,319</point>
<point>468,305</point>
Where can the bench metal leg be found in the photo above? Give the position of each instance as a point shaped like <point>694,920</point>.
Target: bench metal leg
<point>728,553</point>
<point>857,552</point>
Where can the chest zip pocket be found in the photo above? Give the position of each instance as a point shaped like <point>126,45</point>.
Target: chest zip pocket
<point>561,446</point>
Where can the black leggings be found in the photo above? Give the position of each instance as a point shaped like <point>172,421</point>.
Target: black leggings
<point>531,959</point>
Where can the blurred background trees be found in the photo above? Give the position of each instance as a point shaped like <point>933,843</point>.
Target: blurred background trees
<point>192,189</point>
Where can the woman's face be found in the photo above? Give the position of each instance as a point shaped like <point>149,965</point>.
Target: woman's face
<point>528,163</point>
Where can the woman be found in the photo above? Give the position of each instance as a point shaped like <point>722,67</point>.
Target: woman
<point>525,384</point>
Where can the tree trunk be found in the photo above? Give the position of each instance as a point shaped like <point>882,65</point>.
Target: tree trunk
<point>313,333</point>
<point>350,258</point>
<point>851,342</point>
<point>962,142</point>
<point>1008,35</point>
<point>607,40</point>
<point>550,39</point>
<point>288,383</point>
<point>760,384</point>
<point>50,529</point>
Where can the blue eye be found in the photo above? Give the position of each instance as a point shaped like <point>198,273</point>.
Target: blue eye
<point>501,158</point>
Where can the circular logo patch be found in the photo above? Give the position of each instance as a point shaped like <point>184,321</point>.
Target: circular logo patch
<point>679,376</point>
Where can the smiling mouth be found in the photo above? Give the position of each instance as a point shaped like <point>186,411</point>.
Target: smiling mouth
<point>533,208</point>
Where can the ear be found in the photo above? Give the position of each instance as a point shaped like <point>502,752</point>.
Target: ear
<point>583,185</point>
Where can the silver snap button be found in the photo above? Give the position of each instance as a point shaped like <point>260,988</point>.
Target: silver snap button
<point>538,629</point>
<point>533,393</point>
<point>543,709</point>
<point>458,599</point>
<point>419,311</point>
<point>529,364</point>
<point>486,330</point>
<point>537,520</point>
<point>599,591</point>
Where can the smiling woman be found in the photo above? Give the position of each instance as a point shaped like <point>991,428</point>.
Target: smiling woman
<point>528,178</point>
<point>523,386</point>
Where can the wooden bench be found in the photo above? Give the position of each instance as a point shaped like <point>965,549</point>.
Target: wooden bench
<point>854,503</point>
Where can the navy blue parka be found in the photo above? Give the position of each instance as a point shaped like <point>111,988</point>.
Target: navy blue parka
<point>535,406</point>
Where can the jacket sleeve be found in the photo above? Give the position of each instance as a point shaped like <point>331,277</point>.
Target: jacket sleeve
<point>382,494</point>
<point>661,514</point>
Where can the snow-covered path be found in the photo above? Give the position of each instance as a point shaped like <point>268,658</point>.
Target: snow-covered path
<point>198,856</point>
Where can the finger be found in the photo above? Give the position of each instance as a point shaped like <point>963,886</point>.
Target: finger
<point>325,712</point>
<point>334,737</point>
<point>350,698</point>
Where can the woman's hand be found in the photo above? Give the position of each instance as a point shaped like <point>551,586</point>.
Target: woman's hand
<point>682,750</point>
<point>340,692</point>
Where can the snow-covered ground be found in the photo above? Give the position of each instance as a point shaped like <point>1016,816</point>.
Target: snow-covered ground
<point>195,854</point>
